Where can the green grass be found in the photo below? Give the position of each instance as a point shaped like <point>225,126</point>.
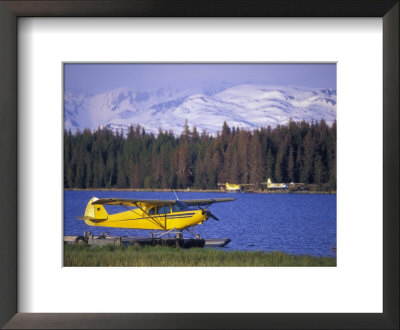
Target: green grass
<point>166,256</point>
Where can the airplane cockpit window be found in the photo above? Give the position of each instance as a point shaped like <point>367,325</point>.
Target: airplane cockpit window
<point>175,208</point>
<point>178,207</point>
<point>152,211</point>
<point>163,209</point>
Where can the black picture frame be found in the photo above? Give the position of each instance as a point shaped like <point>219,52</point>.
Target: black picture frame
<point>10,10</point>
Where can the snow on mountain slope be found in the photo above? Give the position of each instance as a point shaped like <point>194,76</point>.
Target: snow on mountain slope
<point>245,106</point>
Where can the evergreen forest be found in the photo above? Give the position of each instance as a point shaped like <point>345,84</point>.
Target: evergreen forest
<point>298,152</point>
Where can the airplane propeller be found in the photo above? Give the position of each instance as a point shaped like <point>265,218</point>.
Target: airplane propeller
<point>208,213</point>
<point>213,216</point>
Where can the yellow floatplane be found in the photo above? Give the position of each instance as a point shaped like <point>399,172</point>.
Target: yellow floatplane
<point>233,187</point>
<point>152,214</point>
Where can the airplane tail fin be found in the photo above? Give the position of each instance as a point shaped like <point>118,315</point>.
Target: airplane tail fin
<point>269,181</point>
<point>94,213</point>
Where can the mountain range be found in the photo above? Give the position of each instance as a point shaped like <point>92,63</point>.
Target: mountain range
<point>246,106</point>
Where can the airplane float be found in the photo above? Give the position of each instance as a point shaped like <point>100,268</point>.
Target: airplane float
<point>232,187</point>
<point>152,214</point>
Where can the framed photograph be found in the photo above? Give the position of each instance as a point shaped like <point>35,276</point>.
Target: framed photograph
<point>58,103</point>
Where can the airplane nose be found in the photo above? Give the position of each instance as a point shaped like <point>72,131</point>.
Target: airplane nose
<point>206,212</point>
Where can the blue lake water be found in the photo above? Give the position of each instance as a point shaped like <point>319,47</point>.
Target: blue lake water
<point>291,223</point>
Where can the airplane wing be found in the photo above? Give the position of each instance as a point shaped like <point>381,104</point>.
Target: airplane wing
<point>132,202</point>
<point>155,202</point>
<point>206,201</point>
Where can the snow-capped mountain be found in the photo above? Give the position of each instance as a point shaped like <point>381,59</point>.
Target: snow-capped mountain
<point>245,106</point>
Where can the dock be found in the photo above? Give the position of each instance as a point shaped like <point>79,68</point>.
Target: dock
<point>185,243</point>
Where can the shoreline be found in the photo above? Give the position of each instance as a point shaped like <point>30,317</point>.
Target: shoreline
<point>316,192</point>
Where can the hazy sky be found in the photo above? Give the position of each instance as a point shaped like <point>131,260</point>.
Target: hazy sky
<point>98,78</point>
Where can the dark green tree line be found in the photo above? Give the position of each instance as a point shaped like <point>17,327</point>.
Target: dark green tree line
<point>296,152</point>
